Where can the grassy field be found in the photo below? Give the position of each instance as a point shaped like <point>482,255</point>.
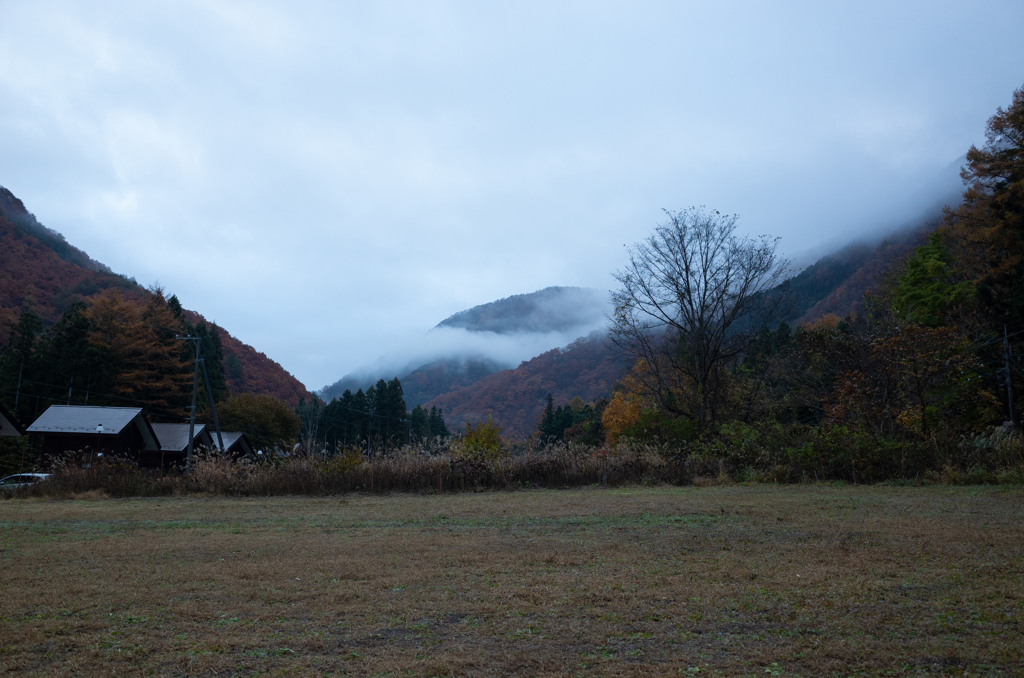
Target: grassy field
<point>733,580</point>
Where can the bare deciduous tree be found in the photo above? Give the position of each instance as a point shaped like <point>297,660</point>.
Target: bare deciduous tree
<point>692,299</point>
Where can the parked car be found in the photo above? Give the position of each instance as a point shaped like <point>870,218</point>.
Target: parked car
<point>21,480</point>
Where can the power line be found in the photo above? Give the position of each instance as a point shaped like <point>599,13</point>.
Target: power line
<point>154,412</point>
<point>96,393</point>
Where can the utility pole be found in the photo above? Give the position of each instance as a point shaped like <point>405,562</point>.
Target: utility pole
<point>1009,376</point>
<point>213,407</point>
<point>198,341</point>
<point>17,393</point>
<point>192,410</point>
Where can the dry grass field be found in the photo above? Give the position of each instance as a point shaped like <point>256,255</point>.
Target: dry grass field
<point>731,580</point>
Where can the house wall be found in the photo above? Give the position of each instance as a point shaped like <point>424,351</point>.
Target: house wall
<point>129,444</point>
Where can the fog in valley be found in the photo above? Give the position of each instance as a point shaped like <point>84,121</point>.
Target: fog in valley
<point>493,336</point>
<point>329,181</point>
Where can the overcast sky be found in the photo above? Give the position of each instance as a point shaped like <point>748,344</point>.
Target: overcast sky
<point>327,180</point>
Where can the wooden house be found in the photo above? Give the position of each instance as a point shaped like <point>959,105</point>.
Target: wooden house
<point>173,439</point>
<point>235,444</point>
<point>122,431</point>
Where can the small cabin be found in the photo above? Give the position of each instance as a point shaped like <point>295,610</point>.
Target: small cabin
<point>122,431</point>
<point>235,444</point>
<point>9,426</point>
<point>173,440</point>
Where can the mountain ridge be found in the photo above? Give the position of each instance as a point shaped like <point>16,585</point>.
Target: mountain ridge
<point>42,272</point>
<point>547,318</point>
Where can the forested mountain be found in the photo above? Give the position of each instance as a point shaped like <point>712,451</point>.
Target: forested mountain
<point>552,309</point>
<point>544,319</point>
<point>42,273</point>
<point>424,382</point>
<point>855,270</point>
<point>444,376</point>
<point>515,398</point>
<point>836,283</point>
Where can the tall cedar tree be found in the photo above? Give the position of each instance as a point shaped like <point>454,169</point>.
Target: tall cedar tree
<point>17,366</point>
<point>211,349</point>
<point>438,429</point>
<point>167,380</point>
<point>68,361</point>
<point>986,232</point>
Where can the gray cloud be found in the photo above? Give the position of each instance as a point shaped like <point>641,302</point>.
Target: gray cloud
<point>355,173</point>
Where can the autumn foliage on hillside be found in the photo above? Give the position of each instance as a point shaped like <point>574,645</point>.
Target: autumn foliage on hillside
<point>588,368</point>
<point>848,295</point>
<point>915,379</point>
<point>247,370</point>
<point>41,273</point>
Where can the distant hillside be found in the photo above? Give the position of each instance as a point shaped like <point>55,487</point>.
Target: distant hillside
<point>40,271</point>
<point>552,309</point>
<point>836,283</point>
<point>848,296</point>
<point>588,367</point>
<point>543,320</point>
<point>424,382</point>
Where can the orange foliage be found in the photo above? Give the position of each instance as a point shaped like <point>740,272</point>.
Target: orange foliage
<point>587,368</point>
<point>622,411</point>
<point>829,321</point>
<point>258,374</point>
<point>41,272</point>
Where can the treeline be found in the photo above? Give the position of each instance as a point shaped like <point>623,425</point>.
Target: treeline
<point>918,379</point>
<point>374,419</point>
<point>577,422</point>
<point>114,352</point>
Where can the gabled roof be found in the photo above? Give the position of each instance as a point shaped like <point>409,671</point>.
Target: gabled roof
<point>88,419</point>
<point>9,426</point>
<point>234,442</point>
<point>84,419</point>
<point>174,437</point>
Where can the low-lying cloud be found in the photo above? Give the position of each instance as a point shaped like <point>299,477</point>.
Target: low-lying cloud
<point>506,332</point>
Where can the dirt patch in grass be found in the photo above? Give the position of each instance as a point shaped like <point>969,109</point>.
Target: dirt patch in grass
<point>739,580</point>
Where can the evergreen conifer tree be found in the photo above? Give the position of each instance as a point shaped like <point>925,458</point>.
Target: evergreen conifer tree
<point>437,425</point>
<point>18,363</point>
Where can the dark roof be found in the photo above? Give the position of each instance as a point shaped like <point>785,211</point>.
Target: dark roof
<point>9,426</point>
<point>233,442</point>
<point>174,437</point>
<point>88,419</point>
<point>84,419</point>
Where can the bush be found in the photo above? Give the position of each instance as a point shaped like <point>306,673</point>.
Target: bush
<point>482,443</point>
<point>654,427</point>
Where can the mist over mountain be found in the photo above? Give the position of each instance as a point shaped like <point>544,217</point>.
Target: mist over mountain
<point>501,335</point>
<point>922,205</point>
<point>479,341</point>
<point>552,309</point>
<point>844,271</point>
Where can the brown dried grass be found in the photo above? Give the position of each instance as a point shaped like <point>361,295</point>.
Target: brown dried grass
<point>740,580</point>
